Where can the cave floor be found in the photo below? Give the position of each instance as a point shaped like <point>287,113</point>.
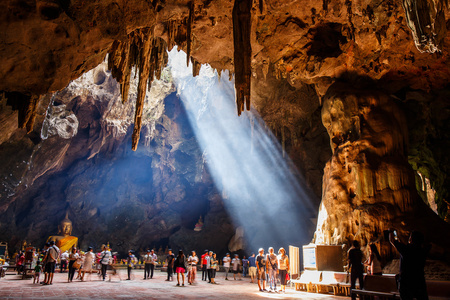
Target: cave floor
<point>12,287</point>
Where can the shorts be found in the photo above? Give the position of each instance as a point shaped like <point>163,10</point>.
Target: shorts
<point>50,267</point>
<point>262,274</point>
<point>180,270</point>
<point>235,271</point>
<point>252,271</point>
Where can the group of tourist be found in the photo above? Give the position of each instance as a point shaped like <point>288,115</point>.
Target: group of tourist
<point>261,267</point>
<point>74,261</point>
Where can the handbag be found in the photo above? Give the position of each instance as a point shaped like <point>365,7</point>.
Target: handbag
<point>76,265</point>
<point>287,277</point>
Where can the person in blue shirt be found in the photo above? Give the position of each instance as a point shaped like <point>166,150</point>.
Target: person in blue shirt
<point>252,267</point>
<point>244,266</point>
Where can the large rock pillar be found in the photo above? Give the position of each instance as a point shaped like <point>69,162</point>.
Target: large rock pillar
<point>368,185</point>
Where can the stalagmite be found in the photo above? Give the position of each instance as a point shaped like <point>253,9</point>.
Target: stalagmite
<point>242,52</point>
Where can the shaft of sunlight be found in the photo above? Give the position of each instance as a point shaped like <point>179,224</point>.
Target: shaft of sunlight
<point>259,187</point>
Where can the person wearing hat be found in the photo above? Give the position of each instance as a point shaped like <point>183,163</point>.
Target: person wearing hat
<point>131,260</point>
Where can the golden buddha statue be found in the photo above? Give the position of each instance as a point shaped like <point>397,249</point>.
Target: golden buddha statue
<point>199,225</point>
<point>64,241</point>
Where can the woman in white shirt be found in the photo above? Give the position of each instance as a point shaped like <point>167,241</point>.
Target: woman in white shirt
<point>192,267</point>
<point>88,262</point>
<point>283,268</point>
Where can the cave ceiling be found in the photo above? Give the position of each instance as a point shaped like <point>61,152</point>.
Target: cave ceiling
<point>284,54</point>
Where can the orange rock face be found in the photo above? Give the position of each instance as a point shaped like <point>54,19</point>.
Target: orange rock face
<point>368,185</point>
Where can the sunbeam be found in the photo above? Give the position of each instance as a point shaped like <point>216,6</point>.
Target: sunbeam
<point>261,189</point>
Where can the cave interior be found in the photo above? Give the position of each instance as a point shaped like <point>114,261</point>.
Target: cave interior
<point>355,94</point>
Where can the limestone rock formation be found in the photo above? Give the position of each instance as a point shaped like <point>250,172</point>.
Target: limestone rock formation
<point>368,185</point>
<point>294,51</point>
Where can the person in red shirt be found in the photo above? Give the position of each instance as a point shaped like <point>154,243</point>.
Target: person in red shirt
<point>20,262</point>
<point>204,262</point>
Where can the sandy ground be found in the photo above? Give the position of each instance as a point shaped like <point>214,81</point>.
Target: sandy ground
<point>13,287</point>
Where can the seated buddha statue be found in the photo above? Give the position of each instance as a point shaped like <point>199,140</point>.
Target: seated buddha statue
<point>64,241</point>
<point>199,225</point>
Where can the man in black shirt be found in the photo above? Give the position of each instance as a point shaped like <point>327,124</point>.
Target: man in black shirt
<point>355,257</point>
<point>261,268</point>
<point>170,260</point>
<point>412,282</point>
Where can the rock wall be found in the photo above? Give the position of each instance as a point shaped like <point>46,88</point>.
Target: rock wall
<point>368,185</point>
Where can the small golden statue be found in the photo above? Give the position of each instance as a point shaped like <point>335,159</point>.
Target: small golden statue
<point>199,225</point>
<point>64,241</point>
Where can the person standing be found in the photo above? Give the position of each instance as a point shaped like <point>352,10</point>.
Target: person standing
<point>252,267</point>
<point>413,255</point>
<point>204,261</point>
<point>64,258</point>
<point>355,257</point>
<point>244,266</point>
<point>44,262</point>
<point>105,260</point>
<point>73,257</point>
<point>52,256</point>
<point>208,265</point>
<point>148,263</point>
<point>169,262</point>
<point>37,272</point>
<point>214,264</point>
<point>180,266</point>
<point>226,264</point>
<point>131,261</point>
<point>192,267</point>
<point>283,268</point>
<point>272,269</point>
<point>261,268</point>
<point>373,262</point>
<point>236,263</point>
<point>88,262</point>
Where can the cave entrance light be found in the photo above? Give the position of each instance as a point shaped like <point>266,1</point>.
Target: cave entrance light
<point>259,188</point>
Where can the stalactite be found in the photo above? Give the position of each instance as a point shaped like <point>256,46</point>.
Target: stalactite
<point>195,67</point>
<point>150,56</point>
<point>172,27</point>
<point>144,67</point>
<point>426,20</point>
<point>242,52</point>
<point>26,106</point>
<point>189,31</point>
<point>31,112</point>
